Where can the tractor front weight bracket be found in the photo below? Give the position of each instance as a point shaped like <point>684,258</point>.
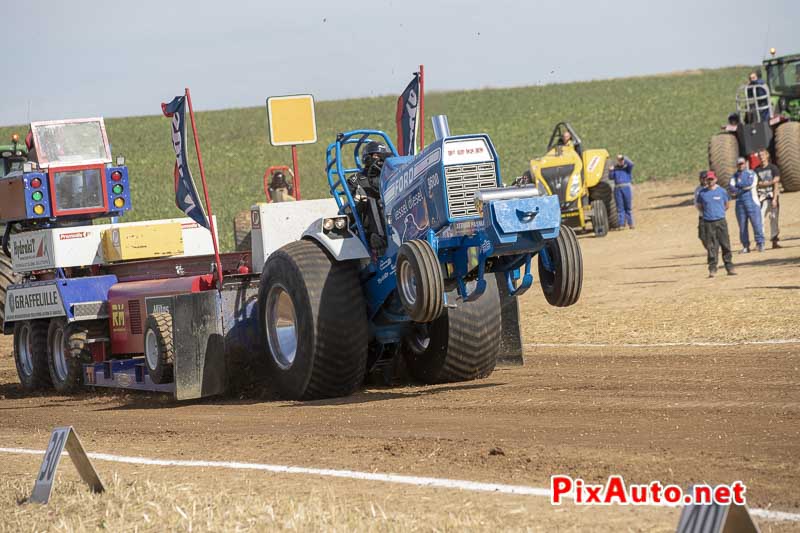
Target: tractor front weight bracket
<point>525,283</point>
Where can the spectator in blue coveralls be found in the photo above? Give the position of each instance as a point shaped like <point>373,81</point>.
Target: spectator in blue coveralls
<point>743,186</point>
<point>712,202</point>
<point>622,174</point>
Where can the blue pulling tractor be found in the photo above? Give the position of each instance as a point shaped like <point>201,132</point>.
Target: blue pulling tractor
<point>415,264</point>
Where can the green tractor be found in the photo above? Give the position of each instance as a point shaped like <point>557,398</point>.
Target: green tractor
<point>12,158</point>
<point>767,118</point>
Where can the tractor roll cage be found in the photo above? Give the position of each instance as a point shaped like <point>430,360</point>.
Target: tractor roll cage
<point>751,100</point>
<point>558,131</point>
<point>337,171</point>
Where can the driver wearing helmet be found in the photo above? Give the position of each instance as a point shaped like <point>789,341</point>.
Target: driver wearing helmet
<point>366,190</point>
<point>372,158</point>
<point>280,190</point>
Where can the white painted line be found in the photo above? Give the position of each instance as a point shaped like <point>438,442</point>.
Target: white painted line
<point>461,484</point>
<point>655,344</point>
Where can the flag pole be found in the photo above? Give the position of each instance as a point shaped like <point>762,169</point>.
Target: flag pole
<point>422,107</point>
<point>205,189</point>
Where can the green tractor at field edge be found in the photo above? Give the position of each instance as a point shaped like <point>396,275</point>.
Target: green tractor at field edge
<point>767,118</point>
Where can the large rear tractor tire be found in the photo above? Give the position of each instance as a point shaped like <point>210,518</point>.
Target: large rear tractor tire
<point>420,283</point>
<point>599,218</point>
<point>787,155</point>
<point>561,269</point>
<point>462,344</point>
<point>7,277</point>
<point>30,354</point>
<point>604,191</point>
<point>159,348</point>
<point>314,323</point>
<point>723,150</point>
<point>68,351</point>
<point>242,231</point>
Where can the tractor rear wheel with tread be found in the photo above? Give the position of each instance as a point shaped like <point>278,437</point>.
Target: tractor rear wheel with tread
<point>7,277</point>
<point>30,354</point>
<point>723,150</point>
<point>314,322</point>
<point>420,283</point>
<point>68,350</point>
<point>787,154</point>
<point>242,231</point>
<point>599,218</point>
<point>462,344</point>
<point>604,191</point>
<point>159,348</point>
<point>561,269</point>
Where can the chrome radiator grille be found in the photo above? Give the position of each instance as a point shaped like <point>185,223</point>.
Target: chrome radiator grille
<point>462,181</point>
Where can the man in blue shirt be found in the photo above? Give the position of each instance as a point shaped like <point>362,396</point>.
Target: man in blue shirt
<point>622,174</point>
<point>712,202</point>
<point>743,186</point>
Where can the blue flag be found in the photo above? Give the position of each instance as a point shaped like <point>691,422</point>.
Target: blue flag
<point>186,197</point>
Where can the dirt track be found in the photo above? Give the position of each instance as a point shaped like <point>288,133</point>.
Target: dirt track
<point>677,413</point>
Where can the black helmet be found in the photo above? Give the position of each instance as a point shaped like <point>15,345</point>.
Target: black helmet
<point>373,165</point>
<point>374,147</point>
<point>278,181</point>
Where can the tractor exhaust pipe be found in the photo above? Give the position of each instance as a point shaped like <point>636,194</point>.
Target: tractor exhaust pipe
<point>440,126</point>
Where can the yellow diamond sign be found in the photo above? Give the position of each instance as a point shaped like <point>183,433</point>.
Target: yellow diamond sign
<point>291,120</point>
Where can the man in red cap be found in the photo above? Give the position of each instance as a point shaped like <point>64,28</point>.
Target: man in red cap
<point>712,202</point>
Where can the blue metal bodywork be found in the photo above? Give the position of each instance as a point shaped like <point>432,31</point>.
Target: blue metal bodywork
<point>430,197</point>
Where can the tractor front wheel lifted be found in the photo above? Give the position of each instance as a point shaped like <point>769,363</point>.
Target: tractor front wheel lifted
<point>159,348</point>
<point>420,284</point>
<point>561,269</point>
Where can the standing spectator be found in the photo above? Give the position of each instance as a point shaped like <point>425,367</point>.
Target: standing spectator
<point>769,187</point>
<point>743,185</point>
<point>622,174</point>
<point>758,92</point>
<point>697,192</point>
<point>712,202</point>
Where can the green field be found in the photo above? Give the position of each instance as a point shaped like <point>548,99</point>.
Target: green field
<point>662,122</point>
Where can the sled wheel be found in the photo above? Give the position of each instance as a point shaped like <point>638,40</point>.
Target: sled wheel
<point>30,354</point>
<point>159,348</point>
<point>68,350</point>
